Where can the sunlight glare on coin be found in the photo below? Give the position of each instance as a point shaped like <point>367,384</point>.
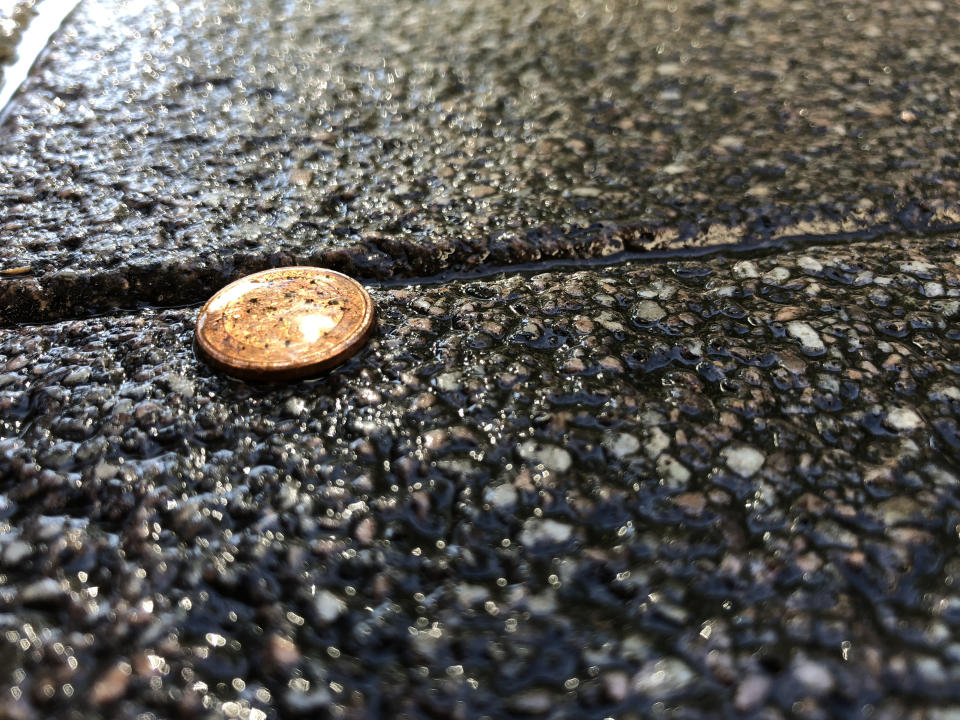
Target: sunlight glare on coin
<point>284,323</point>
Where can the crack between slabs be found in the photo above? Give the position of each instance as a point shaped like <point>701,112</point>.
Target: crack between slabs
<point>780,244</point>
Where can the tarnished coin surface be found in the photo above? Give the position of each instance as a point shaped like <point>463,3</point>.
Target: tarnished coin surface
<point>284,323</point>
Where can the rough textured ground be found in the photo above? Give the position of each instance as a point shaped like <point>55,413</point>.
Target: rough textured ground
<point>159,151</point>
<point>698,489</point>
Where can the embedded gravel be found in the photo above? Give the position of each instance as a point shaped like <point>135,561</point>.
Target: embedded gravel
<point>158,152</point>
<point>697,489</point>
<point>716,487</point>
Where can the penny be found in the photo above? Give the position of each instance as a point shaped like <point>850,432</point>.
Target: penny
<point>284,323</point>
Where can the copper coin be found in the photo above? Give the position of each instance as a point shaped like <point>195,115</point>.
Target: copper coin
<point>284,323</point>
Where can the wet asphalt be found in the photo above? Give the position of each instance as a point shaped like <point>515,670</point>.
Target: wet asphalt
<point>158,152</point>
<point>579,471</point>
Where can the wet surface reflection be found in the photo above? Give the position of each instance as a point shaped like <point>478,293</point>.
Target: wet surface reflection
<point>655,489</point>
<point>195,142</point>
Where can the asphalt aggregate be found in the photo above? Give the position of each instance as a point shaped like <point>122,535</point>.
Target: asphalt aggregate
<point>660,418</point>
<point>693,489</point>
<point>158,152</point>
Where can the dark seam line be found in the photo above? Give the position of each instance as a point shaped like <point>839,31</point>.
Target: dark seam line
<point>765,248</point>
<point>651,257</point>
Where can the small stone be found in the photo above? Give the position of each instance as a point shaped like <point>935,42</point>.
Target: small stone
<point>365,531</point>
<point>657,443</point>
<point>550,456</point>
<point>616,685</point>
<point>808,337</point>
<point>673,474</point>
<point>733,143</point>
<point>531,702</point>
<point>744,460</point>
<point>790,312</point>
<point>810,264</point>
<point>281,652</point>
<point>105,470</point>
<point>611,322</point>
<point>15,552</point>
<point>147,411</point>
<point>917,267</point>
<point>537,531</point>
<point>502,497</point>
<point>328,606</point>
<point>449,382</point>
<point>544,603</point>
<point>426,646</point>
<point>435,439</point>
<point>635,647</point>
<point>482,191</point>
<point>649,311</point>
<point>745,269</point>
<point>690,503</point>
<point>944,393</point>
<point>751,692</point>
<point>469,595</point>
<point>369,396</point>
<point>657,678</point>
<point>42,591</point>
<point>112,685</point>
<point>77,377</point>
<point>932,289</point>
<point>930,670</point>
<point>622,444</point>
<point>583,325</point>
<point>294,407</point>
<point>300,176</point>
<point>588,192</point>
<point>60,455</point>
<point>776,276</point>
<point>815,678</point>
<point>179,384</point>
<point>903,420</point>
<point>669,69</point>
<point>837,534</point>
<point>611,364</point>
<point>947,308</point>
<point>899,510</point>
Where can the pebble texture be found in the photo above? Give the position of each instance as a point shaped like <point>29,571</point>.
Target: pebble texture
<point>158,153</point>
<point>527,497</point>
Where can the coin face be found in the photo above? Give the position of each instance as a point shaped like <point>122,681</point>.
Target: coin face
<point>284,323</point>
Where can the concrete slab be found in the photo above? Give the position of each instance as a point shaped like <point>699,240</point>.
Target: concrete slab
<point>158,153</point>
<point>701,488</point>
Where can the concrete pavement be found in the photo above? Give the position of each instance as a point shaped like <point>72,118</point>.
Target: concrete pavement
<point>623,484</point>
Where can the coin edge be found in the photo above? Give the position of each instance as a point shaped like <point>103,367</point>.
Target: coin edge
<point>349,347</point>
